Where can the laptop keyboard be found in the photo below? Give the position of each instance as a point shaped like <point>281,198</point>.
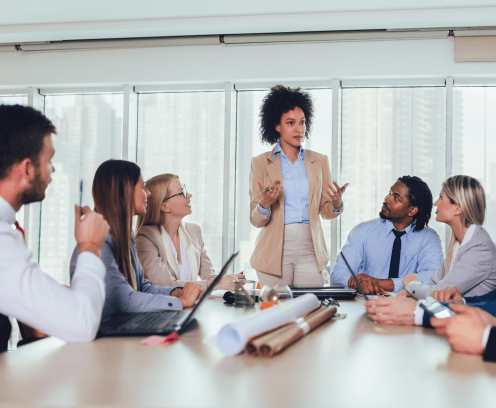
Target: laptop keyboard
<point>152,320</point>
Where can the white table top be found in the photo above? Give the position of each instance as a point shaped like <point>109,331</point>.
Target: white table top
<point>344,363</point>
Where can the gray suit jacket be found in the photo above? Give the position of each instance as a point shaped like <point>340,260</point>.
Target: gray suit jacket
<point>473,270</point>
<point>158,260</point>
<point>120,296</point>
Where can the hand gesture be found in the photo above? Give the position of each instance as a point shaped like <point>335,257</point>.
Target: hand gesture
<point>394,311</point>
<point>190,294</point>
<point>269,194</point>
<point>369,284</point>
<point>91,231</point>
<point>227,282</point>
<point>411,277</point>
<point>448,294</point>
<point>465,329</point>
<point>336,192</point>
<point>403,293</point>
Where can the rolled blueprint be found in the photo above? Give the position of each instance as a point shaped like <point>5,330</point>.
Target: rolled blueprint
<point>269,344</point>
<point>232,338</point>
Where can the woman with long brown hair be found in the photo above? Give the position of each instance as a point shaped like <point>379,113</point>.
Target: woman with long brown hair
<point>120,193</point>
<point>171,251</point>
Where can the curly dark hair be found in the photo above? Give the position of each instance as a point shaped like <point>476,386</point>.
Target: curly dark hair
<point>420,196</point>
<point>276,103</point>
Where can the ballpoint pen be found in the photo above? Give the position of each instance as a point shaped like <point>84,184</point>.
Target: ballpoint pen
<point>81,196</point>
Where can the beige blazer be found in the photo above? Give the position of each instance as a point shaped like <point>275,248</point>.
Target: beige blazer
<point>267,255</point>
<point>158,261</point>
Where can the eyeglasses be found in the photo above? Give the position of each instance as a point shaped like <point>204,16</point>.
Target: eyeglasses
<point>183,192</point>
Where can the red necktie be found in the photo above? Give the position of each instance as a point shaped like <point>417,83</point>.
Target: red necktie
<point>19,228</point>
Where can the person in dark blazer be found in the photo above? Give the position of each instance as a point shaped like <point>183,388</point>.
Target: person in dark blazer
<point>472,329</point>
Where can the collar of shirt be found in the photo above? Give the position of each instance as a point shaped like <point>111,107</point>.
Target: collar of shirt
<point>277,149</point>
<point>389,226</point>
<point>469,234</point>
<point>7,213</point>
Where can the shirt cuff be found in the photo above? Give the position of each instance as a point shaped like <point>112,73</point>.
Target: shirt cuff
<point>338,209</point>
<point>419,315</point>
<point>485,337</point>
<point>263,211</point>
<point>173,303</point>
<point>398,284</point>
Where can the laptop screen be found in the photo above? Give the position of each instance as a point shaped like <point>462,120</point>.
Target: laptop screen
<point>212,286</point>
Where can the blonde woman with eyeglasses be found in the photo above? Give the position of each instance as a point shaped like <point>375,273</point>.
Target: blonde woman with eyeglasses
<point>171,251</point>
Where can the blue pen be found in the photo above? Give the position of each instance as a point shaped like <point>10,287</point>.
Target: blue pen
<point>81,196</point>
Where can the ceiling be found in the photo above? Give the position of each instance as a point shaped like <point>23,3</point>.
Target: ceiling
<point>52,20</point>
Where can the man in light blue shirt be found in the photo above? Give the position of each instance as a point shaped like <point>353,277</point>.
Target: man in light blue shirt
<point>384,250</point>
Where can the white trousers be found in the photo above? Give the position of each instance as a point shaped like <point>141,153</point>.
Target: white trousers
<point>299,265</point>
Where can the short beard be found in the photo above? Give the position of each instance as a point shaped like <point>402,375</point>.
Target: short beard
<point>384,216</point>
<point>37,191</point>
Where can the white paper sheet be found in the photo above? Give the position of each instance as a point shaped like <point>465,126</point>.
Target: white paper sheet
<point>232,338</point>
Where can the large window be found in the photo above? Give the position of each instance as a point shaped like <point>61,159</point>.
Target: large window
<point>89,131</point>
<point>183,133</point>
<point>388,133</point>
<point>13,100</point>
<point>382,133</point>
<point>474,141</point>
<point>249,146</point>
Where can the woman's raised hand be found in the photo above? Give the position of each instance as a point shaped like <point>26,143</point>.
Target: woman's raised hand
<point>336,192</point>
<point>269,194</point>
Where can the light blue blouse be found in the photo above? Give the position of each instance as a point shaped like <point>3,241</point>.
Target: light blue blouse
<point>295,182</point>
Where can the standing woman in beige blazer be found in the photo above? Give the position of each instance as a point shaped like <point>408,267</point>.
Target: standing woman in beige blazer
<point>289,188</point>
<point>170,251</point>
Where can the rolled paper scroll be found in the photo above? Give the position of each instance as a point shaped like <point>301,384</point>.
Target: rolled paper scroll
<point>269,344</point>
<point>232,338</point>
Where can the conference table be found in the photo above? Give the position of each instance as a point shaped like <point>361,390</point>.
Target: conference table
<point>350,362</point>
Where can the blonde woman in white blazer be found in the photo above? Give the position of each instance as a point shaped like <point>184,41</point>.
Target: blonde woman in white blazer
<point>170,251</point>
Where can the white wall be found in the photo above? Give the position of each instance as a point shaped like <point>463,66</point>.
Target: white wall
<point>216,64</point>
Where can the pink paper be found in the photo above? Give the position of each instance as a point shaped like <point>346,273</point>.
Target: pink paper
<point>160,341</point>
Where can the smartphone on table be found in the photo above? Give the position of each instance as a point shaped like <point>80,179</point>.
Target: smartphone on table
<point>435,308</point>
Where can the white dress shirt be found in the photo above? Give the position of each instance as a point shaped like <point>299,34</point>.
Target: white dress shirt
<point>26,293</point>
<point>184,267</point>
